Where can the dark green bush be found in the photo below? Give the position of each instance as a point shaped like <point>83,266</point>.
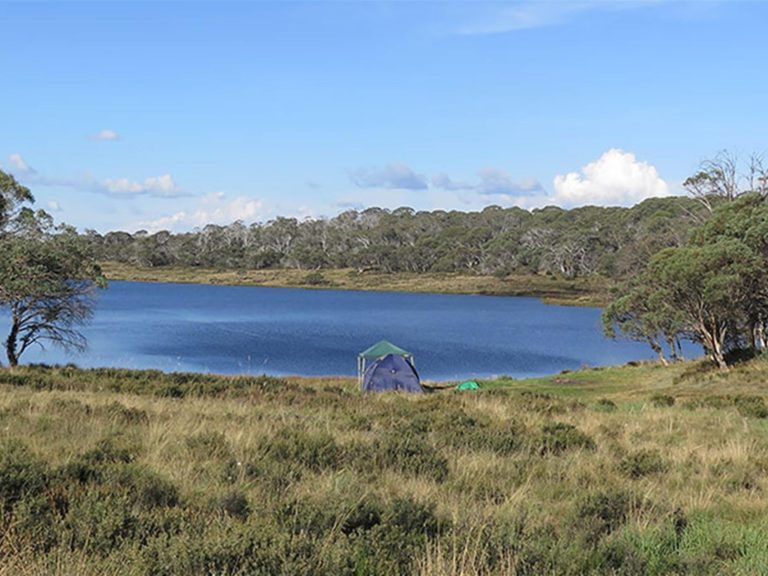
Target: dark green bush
<point>316,279</point>
<point>621,559</point>
<point>560,437</point>
<point>315,451</point>
<point>227,548</point>
<point>274,476</point>
<point>662,400</point>
<point>21,474</point>
<point>746,405</point>
<point>148,489</point>
<point>476,432</point>
<point>111,449</point>
<point>641,463</point>
<point>602,512</point>
<point>145,382</point>
<point>366,514</point>
<point>605,405</point>
<point>234,503</point>
<point>406,454</point>
<point>307,515</point>
<point>751,406</point>
<point>98,522</point>
<point>412,517</point>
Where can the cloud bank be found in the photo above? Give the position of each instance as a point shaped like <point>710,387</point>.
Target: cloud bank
<point>211,209</point>
<point>616,178</point>
<point>393,176</point>
<point>163,186</point>
<point>159,186</point>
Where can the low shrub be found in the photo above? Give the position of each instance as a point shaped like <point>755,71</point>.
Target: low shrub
<point>746,405</point>
<point>605,405</point>
<point>641,463</point>
<point>98,522</point>
<point>751,406</point>
<point>366,514</point>
<point>315,451</point>
<point>560,437</point>
<point>620,558</point>
<point>406,454</point>
<point>111,449</point>
<point>600,513</point>
<point>316,279</point>
<point>412,517</point>
<point>234,503</point>
<point>21,474</point>
<point>662,400</point>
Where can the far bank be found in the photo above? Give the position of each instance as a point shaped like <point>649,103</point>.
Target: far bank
<point>551,289</point>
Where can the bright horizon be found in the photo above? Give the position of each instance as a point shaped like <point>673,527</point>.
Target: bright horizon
<point>173,115</point>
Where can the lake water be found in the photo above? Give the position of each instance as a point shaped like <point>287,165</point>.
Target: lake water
<point>233,330</point>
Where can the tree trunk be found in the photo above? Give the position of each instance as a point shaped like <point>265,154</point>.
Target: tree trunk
<point>717,353</point>
<point>679,346</point>
<point>672,350</point>
<point>10,343</point>
<point>659,350</point>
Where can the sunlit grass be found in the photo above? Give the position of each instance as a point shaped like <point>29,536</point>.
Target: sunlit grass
<point>631,470</point>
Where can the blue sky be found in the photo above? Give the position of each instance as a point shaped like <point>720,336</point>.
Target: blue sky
<point>131,115</point>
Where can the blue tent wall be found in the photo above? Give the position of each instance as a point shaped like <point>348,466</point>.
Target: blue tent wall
<point>391,373</point>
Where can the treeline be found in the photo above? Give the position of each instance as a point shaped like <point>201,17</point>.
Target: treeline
<point>714,289</point>
<point>614,242</point>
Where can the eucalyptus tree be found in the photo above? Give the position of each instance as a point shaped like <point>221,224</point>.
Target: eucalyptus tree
<point>644,314</point>
<point>47,276</point>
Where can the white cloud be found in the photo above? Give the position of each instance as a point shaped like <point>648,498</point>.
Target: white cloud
<point>616,178</point>
<point>19,165</point>
<point>211,209</point>
<point>160,186</point>
<point>53,206</point>
<point>106,135</point>
<point>393,176</point>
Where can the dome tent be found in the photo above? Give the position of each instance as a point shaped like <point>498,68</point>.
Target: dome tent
<point>379,350</point>
<point>391,373</point>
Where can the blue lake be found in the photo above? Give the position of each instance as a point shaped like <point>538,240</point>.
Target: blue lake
<point>233,330</point>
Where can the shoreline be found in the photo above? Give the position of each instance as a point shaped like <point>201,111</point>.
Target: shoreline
<point>551,290</point>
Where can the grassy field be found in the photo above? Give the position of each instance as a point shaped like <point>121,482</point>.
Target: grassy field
<point>631,470</point>
<point>580,291</point>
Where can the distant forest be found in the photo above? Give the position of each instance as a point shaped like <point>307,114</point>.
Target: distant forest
<point>614,242</point>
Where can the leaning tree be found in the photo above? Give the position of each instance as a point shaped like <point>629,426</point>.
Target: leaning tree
<point>47,276</point>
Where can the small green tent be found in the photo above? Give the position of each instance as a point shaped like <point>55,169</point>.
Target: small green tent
<point>468,385</point>
<point>379,350</point>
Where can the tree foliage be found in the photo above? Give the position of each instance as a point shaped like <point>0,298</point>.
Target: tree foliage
<point>47,278</point>
<point>713,291</point>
